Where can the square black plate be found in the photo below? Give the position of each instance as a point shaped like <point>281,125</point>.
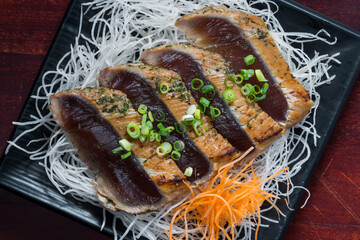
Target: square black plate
<point>28,178</point>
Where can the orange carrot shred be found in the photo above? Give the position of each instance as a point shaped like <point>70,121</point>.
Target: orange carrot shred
<point>223,203</point>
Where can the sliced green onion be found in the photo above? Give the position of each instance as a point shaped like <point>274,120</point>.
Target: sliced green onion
<point>167,146</point>
<point>164,88</point>
<point>237,77</point>
<point>142,108</point>
<point>125,144</point>
<point>209,91</point>
<point>260,75</point>
<point>159,116</point>
<point>257,89</point>
<point>260,97</point>
<point>169,129</point>
<point>133,130</point>
<point>188,171</point>
<point>180,127</point>
<point>250,97</point>
<point>197,114</point>
<point>126,155</point>
<point>194,82</point>
<point>226,81</point>
<point>202,127</point>
<point>160,126</point>
<point>175,155</point>
<point>151,136</point>
<point>215,112</point>
<point>145,130</point>
<point>264,88</point>
<point>164,133</point>
<point>189,121</point>
<point>179,145</point>
<point>247,73</point>
<point>142,138</point>
<point>161,151</point>
<point>157,137</point>
<point>250,59</point>
<point>151,118</point>
<point>143,120</point>
<point>204,102</point>
<point>117,150</point>
<point>229,95</point>
<point>149,125</point>
<point>191,110</point>
<point>246,89</point>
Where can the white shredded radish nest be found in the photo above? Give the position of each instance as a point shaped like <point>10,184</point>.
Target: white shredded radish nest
<point>120,31</point>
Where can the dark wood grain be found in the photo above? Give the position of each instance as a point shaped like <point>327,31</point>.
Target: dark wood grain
<point>26,32</point>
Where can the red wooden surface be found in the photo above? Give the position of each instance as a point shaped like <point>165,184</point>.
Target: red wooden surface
<point>26,31</point>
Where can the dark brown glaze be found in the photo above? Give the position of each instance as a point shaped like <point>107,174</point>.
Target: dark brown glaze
<point>95,138</point>
<point>225,124</point>
<point>140,92</point>
<point>221,36</point>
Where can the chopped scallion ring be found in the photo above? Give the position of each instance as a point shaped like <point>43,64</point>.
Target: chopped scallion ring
<point>197,81</point>
<point>159,116</point>
<point>260,98</point>
<point>202,108</point>
<point>142,108</point>
<point>245,90</point>
<point>169,129</point>
<point>247,73</point>
<point>161,126</point>
<point>179,145</point>
<point>163,132</point>
<point>142,138</point>
<point>117,150</point>
<point>257,89</point>
<point>164,88</point>
<point>209,91</point>
<point>229,95</point>
<point>202,127</point>
<point>250,59</point>
<point>180,127</point>
<point>167,147</point>
<point>239,79</point>
<point>145,130</point>
<point>151,136</point>
<point>157,137</point>
<point>264,88</point>
<point>161,151</point>
<point>126,155</point>
<point>175,155</point>
<point>250,97</point>
<point>189,121</point>
<point>125,144</point>
<point>149,125</point>
<point>188,171</point>
<point>151,118</point>
<point>191,110</point>
<point>204,102</point>
<point>215,112</point>
<point>260,75</point>
<point>143,120</point>
<point>197,114</point>
<point>227,80</point>
<point>133,130</point>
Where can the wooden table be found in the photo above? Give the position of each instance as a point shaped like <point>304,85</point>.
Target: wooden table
<point>26,31</point>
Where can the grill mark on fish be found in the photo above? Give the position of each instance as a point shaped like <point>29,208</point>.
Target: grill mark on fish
<point>95,139</point>
<point>140,92</point>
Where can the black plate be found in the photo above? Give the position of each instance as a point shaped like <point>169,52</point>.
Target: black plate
<point>28,178</point>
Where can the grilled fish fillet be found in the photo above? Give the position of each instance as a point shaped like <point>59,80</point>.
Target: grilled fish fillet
<point>234,35</point>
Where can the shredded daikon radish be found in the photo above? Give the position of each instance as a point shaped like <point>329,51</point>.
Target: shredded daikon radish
<point>121,31</point>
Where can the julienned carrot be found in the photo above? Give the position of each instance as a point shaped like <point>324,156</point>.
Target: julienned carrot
<point>224,202</point>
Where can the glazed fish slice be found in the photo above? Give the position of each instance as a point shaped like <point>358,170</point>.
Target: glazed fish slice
<point>122,183</point>
<point>198,63</point>
<point>178,99</point>
<point>235,35</point>
<point>139,91</point>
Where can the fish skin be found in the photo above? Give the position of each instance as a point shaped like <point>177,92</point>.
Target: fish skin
<point>297,97</point>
